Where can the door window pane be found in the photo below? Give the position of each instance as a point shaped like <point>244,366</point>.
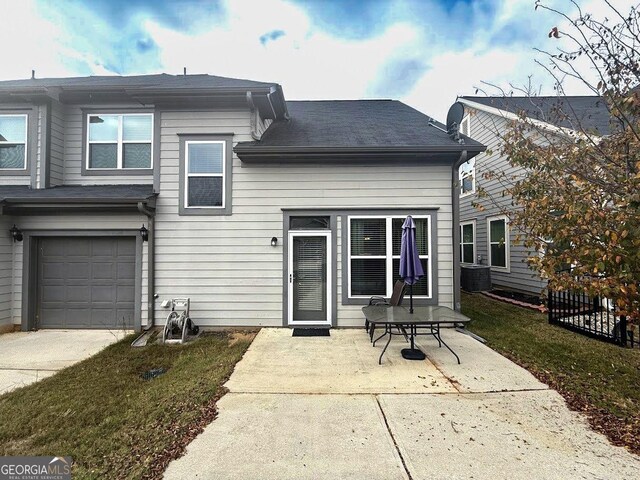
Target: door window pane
<point>308,223</point>
<point>310,278</point>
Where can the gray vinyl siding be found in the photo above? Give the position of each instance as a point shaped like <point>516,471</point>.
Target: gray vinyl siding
<point>56,167</point>
<point>520,277</point>
<point>6,262</point>
<point>72,222</point>
<point>262,125</point>
<point>227,265</point>
<point>73,152</point>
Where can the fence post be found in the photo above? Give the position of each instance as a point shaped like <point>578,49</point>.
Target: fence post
<point>623,330</point>
<point>550,305</point>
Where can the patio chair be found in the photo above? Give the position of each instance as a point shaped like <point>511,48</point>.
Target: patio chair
<point>396,299</point>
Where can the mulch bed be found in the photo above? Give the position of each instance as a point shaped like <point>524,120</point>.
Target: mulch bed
<point>519,299</point>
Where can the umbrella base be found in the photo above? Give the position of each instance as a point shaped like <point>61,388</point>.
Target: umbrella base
<point>412,354</point>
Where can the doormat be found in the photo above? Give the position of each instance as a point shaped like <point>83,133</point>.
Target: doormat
<point>310,332</point>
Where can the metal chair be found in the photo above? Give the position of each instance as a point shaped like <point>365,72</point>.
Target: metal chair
<point>396,299</point>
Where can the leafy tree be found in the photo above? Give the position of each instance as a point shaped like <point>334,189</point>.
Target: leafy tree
<point>579,199</point>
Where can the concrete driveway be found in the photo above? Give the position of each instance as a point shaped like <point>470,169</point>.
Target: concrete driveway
<point>26,357</point>
<point>322,408</point>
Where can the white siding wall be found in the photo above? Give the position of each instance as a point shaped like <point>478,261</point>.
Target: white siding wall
<point>226,263</point>
<point>72,222</point>
<point>73,141</point>
<point>483,129</point>
<point>6,259</point>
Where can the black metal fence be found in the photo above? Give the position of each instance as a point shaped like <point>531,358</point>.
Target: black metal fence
<point>591,316</point>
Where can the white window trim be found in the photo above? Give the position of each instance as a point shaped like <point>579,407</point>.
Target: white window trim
<point>188,175</point>
<point>462,175</point>
<point>473,225</point>
<point>465,124</point>
<point>389,257</point>
<point>26,139</point>
<point>507,242</point>
<point>120,142</point>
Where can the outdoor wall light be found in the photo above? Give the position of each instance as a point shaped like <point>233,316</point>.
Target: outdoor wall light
<point>16,233</point>
<point>274,241</point>
<point>144,233</point>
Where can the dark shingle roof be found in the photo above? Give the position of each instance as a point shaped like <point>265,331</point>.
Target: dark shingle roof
<point>162,80</point>
<point>358,123</point>
<point>97,193</point>
<point>589,112</point>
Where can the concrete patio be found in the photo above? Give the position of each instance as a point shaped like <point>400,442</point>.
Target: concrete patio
<point>26,357</point>
<point>322,407</point>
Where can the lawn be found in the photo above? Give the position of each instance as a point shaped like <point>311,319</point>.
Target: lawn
<point>112,422</point>
<point>596,378</point>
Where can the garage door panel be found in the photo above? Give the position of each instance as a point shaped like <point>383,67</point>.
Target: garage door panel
<point>86,283</point>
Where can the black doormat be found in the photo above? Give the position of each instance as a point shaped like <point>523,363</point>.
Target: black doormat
<point>310,332</point>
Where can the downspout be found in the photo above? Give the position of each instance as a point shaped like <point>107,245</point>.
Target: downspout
<point>455,204</point>
<point>151,262</point>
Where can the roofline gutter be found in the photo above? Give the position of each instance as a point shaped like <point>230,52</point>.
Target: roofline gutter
<point>151,262</point>
<point>74,200</point>
<point>455,205</point>
<point>342,151</point>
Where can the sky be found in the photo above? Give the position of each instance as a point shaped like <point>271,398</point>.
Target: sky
<point>422,52</point>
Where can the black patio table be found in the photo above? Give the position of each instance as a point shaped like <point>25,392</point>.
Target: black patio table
<point>427,318</point>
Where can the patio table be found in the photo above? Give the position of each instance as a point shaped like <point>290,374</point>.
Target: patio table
<point>429,319</point>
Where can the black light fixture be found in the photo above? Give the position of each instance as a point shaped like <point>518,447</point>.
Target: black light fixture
<point>144,233</point>
<point>16,233</point>
<point>274,241</point>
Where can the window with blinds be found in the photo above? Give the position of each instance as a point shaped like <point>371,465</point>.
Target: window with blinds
<point>374,255</point>
<point>205,174</point>
<point>120,141</point>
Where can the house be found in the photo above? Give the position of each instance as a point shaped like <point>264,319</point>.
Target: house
<point>484,230</point>
<point>119,193</point>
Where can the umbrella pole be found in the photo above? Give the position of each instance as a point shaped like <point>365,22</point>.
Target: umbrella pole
<point>411,298</point>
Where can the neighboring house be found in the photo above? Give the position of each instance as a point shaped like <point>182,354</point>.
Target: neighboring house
<point>264,212</point>
<point>484,231</point>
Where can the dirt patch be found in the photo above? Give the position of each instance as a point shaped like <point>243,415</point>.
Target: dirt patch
<point>242,336</point>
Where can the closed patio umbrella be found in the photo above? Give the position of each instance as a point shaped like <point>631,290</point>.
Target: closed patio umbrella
<point>410,266</point>
<point>410,271</point>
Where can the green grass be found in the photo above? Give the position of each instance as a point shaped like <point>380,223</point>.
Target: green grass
<point>598,378</point>
<point>113,423</point>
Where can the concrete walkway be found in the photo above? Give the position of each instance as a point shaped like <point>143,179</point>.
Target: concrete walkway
<point>26,357</point>
<point>322,408</point>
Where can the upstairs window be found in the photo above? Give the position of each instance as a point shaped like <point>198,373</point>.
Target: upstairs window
<point>13,142</point>
<point>119,141</point>
<point>467,175</point>
<point>205,174</point>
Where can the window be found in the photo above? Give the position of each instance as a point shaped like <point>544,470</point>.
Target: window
<point>467,242</point>
<point>498,228</point>
<point>465,126</point>
<point>119,141</point>
<point>13,142</point>
<point>374,255</point>
<point>205,174</point>
<point>467,175</point>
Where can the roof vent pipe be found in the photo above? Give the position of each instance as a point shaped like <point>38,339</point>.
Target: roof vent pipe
<point>184,71</point>
<point>33,74</point>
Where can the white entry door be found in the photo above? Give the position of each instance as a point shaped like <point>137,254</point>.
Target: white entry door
<point>309,255</point>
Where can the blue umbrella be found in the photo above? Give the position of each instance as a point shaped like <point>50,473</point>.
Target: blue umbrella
<point>410,266</point>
